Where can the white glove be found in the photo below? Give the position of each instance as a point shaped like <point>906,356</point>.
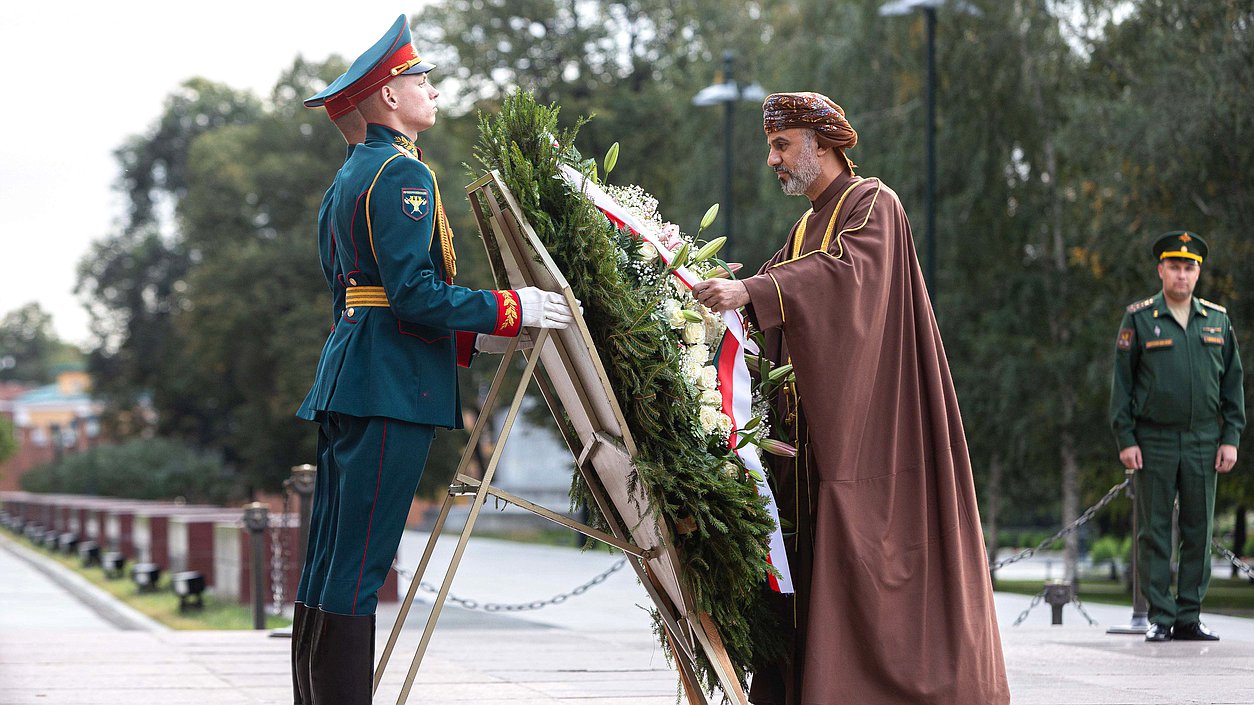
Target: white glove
<point>543,309</point>
<point>496,344</point>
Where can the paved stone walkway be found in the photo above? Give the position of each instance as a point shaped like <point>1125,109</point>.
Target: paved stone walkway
<point>597,648</point>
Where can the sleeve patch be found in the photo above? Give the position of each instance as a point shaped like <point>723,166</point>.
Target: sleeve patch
<point>416,202</point>
<point>508,313</point>
<point>1125,339</point>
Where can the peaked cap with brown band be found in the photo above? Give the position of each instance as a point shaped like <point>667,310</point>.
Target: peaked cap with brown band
<point>814,111</point>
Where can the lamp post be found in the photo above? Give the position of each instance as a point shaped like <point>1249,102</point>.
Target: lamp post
<point>905,7</point>
<point>728,92</point>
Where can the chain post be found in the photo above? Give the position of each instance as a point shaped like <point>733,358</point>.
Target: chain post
<point>302,482</point>
<point>256,518</point>
<point>1140,606</point>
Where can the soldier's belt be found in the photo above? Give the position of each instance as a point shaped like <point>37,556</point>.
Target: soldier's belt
<point>365,296</point>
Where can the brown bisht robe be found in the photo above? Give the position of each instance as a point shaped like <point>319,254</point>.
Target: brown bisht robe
<point>894,603</point>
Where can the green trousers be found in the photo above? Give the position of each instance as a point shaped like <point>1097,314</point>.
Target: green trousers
<point>368,470</point>
<point>1175,464</point>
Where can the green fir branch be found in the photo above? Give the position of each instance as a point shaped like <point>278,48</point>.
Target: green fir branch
<point>686,479</point>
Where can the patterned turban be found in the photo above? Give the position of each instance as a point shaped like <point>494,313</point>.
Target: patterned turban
<point>815,111</point>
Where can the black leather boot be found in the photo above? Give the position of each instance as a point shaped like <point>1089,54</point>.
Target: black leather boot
<point>304,624</point>
<point>341,660</point>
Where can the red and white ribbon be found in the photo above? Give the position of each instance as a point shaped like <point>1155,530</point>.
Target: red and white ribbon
<point>733,375</point>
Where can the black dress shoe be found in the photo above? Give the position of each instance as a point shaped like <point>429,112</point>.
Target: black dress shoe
<point>1158,632</point>
<point>1193,632</point>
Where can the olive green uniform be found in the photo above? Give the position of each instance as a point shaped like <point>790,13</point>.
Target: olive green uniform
<point>1177,393</point>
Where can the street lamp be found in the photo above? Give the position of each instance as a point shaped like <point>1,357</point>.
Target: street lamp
<point>894,8</point>
<point>728,92</point>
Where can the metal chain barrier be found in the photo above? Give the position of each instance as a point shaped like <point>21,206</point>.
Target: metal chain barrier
<point>279,554</point>
<point>1036,600</point>
<point>1075,600</point>
<point>1232,558</point>
<point>466,603</point>
<point>1080,521</point>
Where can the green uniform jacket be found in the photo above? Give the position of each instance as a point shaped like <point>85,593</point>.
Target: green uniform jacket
<point>394,353</point>
<point>1174,378</point>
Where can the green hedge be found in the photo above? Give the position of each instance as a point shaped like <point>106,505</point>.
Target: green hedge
<point>148,468</point>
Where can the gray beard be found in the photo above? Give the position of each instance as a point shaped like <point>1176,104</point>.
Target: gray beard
<point>804,174</point>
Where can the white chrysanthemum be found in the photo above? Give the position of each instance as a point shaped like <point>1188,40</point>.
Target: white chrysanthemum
<point>694,333</point>
<point>711,397</point>
<point>708,378</point>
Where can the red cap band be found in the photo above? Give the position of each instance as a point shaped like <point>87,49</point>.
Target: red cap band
<point>379,75</point>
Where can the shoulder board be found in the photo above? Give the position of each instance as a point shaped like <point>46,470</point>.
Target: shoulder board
<point>1208,304</point>
<point>1140,305</point>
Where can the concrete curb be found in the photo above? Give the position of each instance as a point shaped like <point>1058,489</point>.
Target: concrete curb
<point>109,608</point>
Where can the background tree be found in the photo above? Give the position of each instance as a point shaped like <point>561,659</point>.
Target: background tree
<point>1070,133</point>
<point>30,351</point>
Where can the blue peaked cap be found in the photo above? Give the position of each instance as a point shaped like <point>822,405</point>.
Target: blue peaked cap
<point>393,55</point>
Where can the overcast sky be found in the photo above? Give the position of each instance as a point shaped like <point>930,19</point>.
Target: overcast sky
<point>82,76</point>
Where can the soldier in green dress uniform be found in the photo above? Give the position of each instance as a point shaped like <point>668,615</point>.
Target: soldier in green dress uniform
<point>1177,407</point>
<point>387,377</point>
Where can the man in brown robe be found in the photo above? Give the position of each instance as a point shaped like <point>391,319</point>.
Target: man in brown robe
<point>894,604</point>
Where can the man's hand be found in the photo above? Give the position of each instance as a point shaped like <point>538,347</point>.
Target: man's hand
<point>543,309</point>
<point>1131,457</point>
<point>719,295</point>
<point>1226,458</point>
<point>496,344</point>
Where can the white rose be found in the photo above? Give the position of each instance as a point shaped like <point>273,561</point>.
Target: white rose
<point>708,378</point>
<point>648,251</point>
<point>724,426</point>
<point>692,370</point>
<point>699,353</point>
<point>711,397</point>
<point>673,314</point>
<point>694,333</point>
<point>709,419</point>
<point>714,325</point>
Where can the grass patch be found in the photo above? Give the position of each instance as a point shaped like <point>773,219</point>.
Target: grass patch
<point>162,605</point>
<point>1229,596</point>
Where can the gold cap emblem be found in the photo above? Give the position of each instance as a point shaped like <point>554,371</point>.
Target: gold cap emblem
<point>1185,238</point>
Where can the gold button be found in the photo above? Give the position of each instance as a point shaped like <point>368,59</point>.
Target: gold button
<point>349,313</point>
<point>353,282</point>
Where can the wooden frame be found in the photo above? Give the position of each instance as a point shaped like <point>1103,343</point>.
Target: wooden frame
<point>573,383</point>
